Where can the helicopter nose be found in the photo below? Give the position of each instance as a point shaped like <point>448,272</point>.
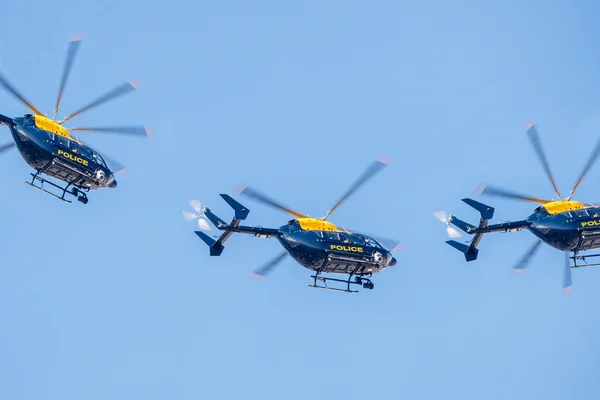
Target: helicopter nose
<point>393,262</point>
<point>113,184</point>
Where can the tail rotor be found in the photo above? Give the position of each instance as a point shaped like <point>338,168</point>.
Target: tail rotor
<point>441,215</point>
<point>198,215</point>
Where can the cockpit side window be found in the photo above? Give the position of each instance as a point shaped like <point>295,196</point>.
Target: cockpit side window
<point>352,238</point>
<point>80,149</point>
<point>85,152</point>
<point>334,236</point>
<point>583,213</point>
<point>62,141</point>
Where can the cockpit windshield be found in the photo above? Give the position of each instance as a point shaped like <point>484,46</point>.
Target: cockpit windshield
<point>372,242</point>
<point>97,158</point>
<point>82,150</point>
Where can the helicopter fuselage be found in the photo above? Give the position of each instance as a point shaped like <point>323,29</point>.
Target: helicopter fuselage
<point>334,251</point>
<point>574,230</point>
<point>60,157</point>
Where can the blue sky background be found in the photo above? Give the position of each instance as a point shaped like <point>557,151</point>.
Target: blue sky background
<point>118,299</point>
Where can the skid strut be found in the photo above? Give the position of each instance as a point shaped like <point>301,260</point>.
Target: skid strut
<point>358,280</point>
<point>78,193</point>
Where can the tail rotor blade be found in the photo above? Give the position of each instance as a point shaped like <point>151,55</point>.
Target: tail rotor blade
<point>71,53</point>
<point>567,280</point>
<point>196,205</point>
<point>267,268</point>
<point>188,216</point>
<point>203,224</point>
<point>522,263</point>
<point>441,215</point>
<point>453,233</point>
<point>450,231</point>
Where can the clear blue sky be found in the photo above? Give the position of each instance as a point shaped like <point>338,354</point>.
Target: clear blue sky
<point>118,299</point>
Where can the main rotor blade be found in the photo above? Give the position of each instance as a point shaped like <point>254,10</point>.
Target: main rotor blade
<point>267,268</point>
<point>368,174</point>
<point>535,140</point>
<point>587,167</point>
<point>71,53</point>
<point>116,167</point>
<point>520,266</point>
<point>492,191</point>
<point>14,92</point>
<point>6,147</point>
<point>125,130</point>
<point>247,191</point>
<point>567,281</point>
<point>389,244</point>
<point>116,92</point>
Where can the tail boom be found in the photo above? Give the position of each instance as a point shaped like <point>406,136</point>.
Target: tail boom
<point>471,251</point>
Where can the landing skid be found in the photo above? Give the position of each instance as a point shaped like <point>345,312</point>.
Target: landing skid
<point>358,280</point>
<point>78,193</point>
<point>585,264</point>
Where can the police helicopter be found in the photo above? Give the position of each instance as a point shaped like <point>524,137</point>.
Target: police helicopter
<point>51,149</point>
<point>563,223</point>
<point>314,243</point>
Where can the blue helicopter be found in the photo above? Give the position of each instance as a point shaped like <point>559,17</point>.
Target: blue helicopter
<point>315,243</point>
<point>50,149</point>
<point>564,224</point>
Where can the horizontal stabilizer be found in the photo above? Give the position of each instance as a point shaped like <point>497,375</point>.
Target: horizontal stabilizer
<point>241,212</point>
<point>215,248</point>
<point>486,211</point>
<point>469,251</point>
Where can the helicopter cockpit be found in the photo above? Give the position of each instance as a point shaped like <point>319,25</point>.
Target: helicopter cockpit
<point>97,158</point>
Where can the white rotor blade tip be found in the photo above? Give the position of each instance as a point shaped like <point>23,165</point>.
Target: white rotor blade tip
<point>203,224</point>
<point>441,215</point>
<point>453,233</point>
<point>196,205</point>
<point>188,216</point>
